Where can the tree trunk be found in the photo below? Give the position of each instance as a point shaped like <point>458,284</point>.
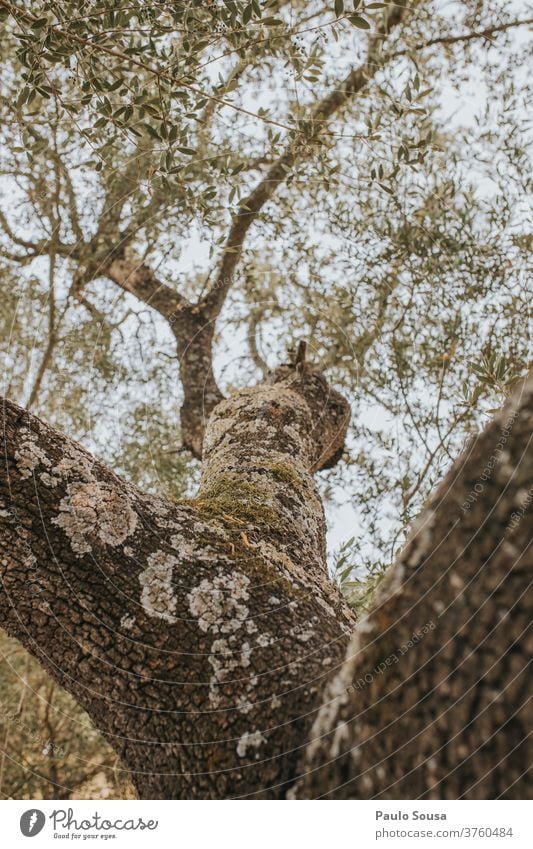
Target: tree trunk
<point>208,645</point>
<point>433,701</point>
<point>198,635</point>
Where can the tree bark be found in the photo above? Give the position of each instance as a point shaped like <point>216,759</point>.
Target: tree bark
<point>197,636</point>
<point>433,701</point>
<point>208,645</point>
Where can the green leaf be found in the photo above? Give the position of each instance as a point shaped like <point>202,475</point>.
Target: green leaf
<point>23,96</point>
<point>344,574</point>
<point>151,130</point>
<point>359,22</point>
<point>339,7</point>
<point>114,85</point>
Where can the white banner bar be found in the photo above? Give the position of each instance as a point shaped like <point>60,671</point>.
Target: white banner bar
<point>256,825</point>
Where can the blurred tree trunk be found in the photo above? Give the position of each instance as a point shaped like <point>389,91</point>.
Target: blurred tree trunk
<point>434,699</point>
<point>199,636</point>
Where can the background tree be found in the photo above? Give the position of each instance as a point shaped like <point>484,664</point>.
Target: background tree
<point>188,181</point>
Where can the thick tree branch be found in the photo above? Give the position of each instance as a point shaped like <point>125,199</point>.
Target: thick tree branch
<point>139,280</point>
<point>194,339</point>
<point>194,326</point>
<point>197,636</point>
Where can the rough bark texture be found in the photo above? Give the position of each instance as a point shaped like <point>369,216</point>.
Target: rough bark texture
<point>433,700</point>
<point>208,645</point>
<point>198,636</point>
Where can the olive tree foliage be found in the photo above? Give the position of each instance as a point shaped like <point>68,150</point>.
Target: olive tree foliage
<point>347,173</point>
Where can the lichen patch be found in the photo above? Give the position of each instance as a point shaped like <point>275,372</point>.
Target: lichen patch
<point>75,464</point>
<point>218,603</point>
<point>29,457</point>
<point>219,606</point>
<point>92,510</point>
<point>158,598</point>
<point>184,549</point>
<point>250,740</point>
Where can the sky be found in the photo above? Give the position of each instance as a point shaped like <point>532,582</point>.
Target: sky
<point>455,109</point>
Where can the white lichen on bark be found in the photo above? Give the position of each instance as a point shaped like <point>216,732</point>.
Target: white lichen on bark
<point>158,598</point>
<point>250,740</point>
<point>218,604</point>
<point>29,456</point>
<point>95,510</point>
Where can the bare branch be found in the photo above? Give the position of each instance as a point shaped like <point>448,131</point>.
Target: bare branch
<point>52,335</point>
<point>14,237</point>
<point>257,359</point>
<point>139,280</point>
<point>474,35</point>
